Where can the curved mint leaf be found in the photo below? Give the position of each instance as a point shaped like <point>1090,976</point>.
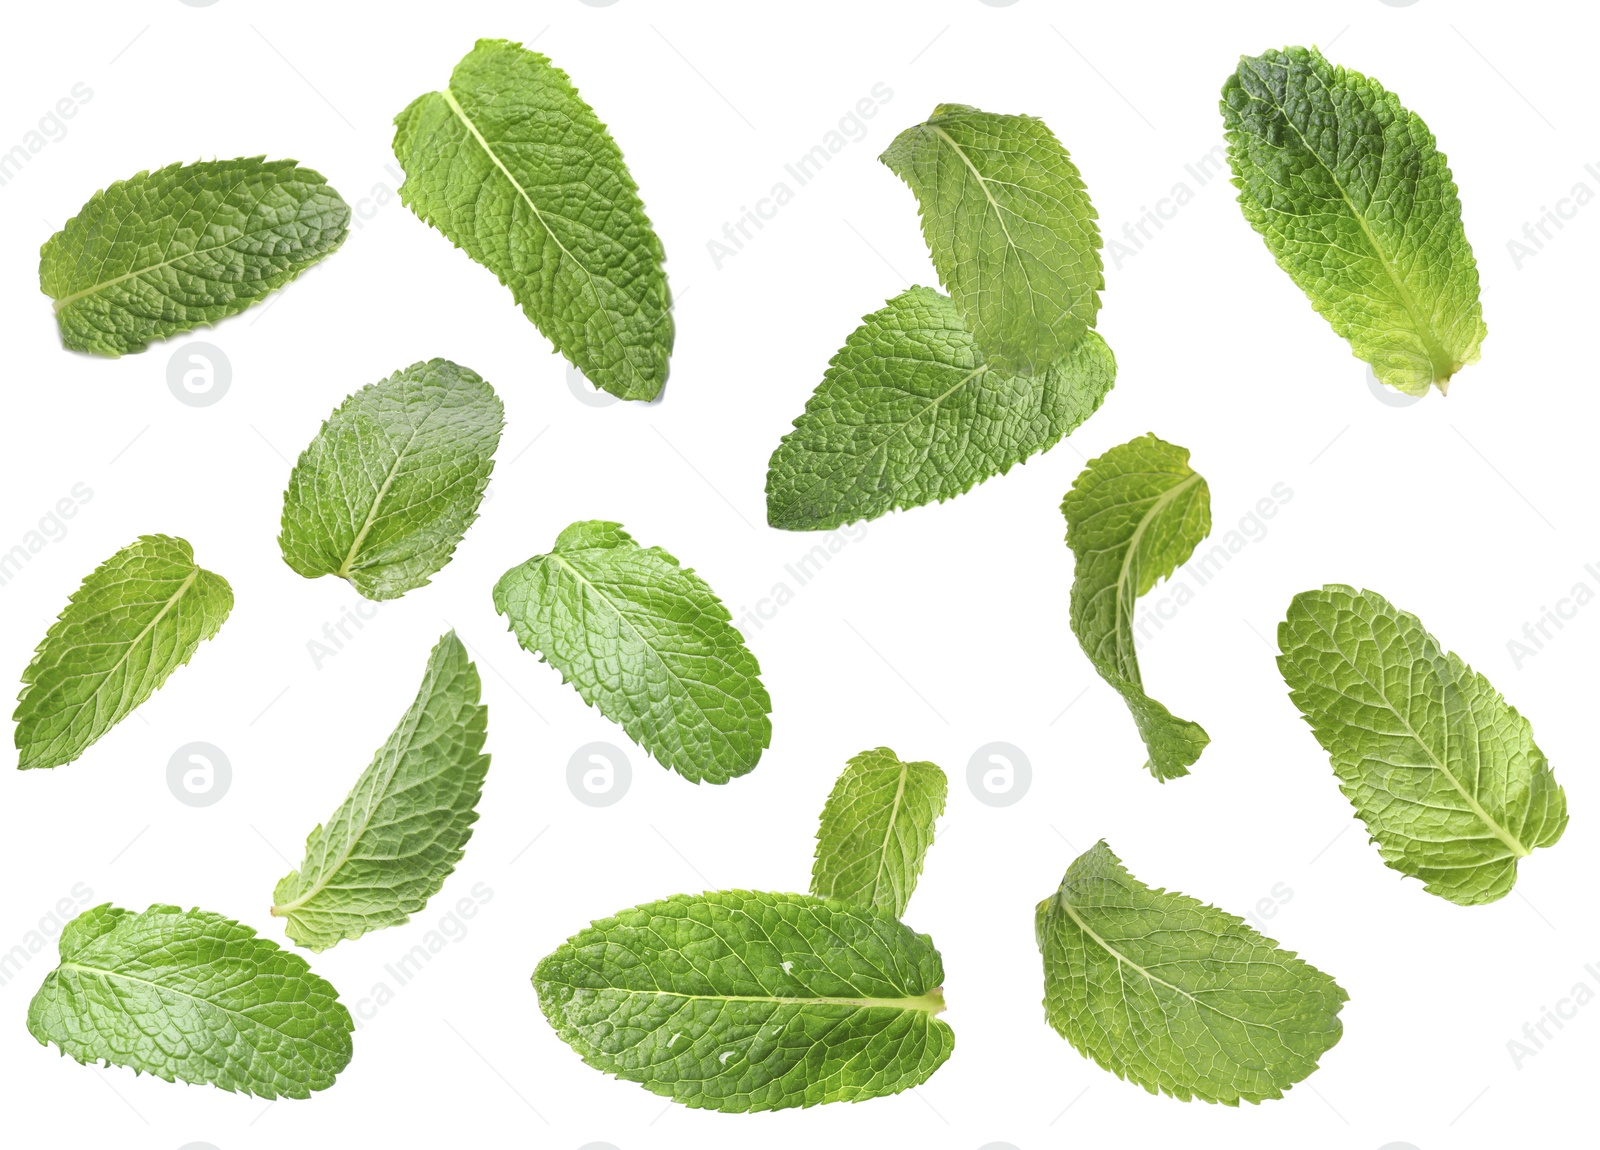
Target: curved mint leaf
<point>1357,204</point>
<point>518,172</point>
<point>1010,228</point>
<point>191,996</point>
<point>137,618</point>
<point>1177,996</point>
<point>646,642</point>
<point>911,412</point>
<point>393,480</point>
<point>185,246</point>
<point>1442,770</point>
<point>401,831</point>
<point>1133,515</point>
<point>875,831</point>
<point>741,1001</point>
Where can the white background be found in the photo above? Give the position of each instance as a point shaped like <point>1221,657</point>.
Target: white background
<point>934,631</point>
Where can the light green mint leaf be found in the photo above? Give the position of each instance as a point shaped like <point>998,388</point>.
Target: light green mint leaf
<point>1357,204</point>
<point>740,1001</point>
<point>393,480</point>
<point>1442,770</point>
<point>876,829</point>
<point>1133,515</point>
<point>646,642</point>
<point>1177,996</point>
<point>910,411</point>
<point>183,247</point>
<point>137,618</point>
<point>191,996</point>
<point>518,172</point>
<point>399,834</point>
<point>1010,228</point>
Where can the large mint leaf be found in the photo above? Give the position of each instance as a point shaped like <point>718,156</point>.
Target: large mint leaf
<point>1357,204</point>
<point>1442,770</point>
<point>1010,228</point>
<point>741,1001</point>
<point>646,642</point>
<point>137,618</point>
<point>1177,996</point>
<point>876,829</point>
<point>512,166</point>
<point>910,411</point>
<point>185,246</point>
<point>399,834</point>
<point>1133,515</point>
<point>393,480</point>
<point>191,996</point>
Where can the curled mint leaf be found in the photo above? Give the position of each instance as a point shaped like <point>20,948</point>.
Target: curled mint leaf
<point>1442,770</point>
<point>518,172</point>
<point>876,829</point>
<point>1357,204</point>
<point>137,618</point>
<point>393,480</point>
<point>191,996</point>
<point>183,247</point>
<point>402,829</point>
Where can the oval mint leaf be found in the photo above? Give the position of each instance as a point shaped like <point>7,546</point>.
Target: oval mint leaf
<point>402,829</point>
<point>876,829</point>
<point>393,480</point>
<point>1357,205</point>
<point>646,642</point>
<point>191,996</point>
<point>1133,515</point>
<point>1177,996</point>
<point>1442,770</point>
<point>518,172</point>
<point>741,1001</point>
<point>910,412</point>
<point>1010,229</point>
<point>185,246</point>
<point>137,618</point>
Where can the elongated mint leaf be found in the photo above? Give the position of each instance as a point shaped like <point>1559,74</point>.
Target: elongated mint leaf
<point>741,1001</point>
<point>191,996</point>
<point>646,642</point>
<point>1133,515</point>
<point>1177,996</point>
<point>519,173</point>
<point>910,412</point>
<point>876,829</point>
<point>179,248</point>
<point>1010,228</point>
<point>393,480</point>
<point>1357,204</point>
<point>399,834</point>
<point>137,618</point>
<point>1442,770</point>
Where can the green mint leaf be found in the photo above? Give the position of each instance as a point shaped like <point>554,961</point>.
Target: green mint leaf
<point>399,834</point>
<point>1010,227</point>
<point>137,618</point>
<point>1442,770</point>
<point>518,172</point>
<point>393,480</point>
<point>191,996</point>
<point>740,1001</point>
<point>183,247</point>
<point>876,829</point>
<point>1133,515</point>
<point>911,412</point>
<point>1177,996</point>
<point>1357,204</point>
<point>646,642</point>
